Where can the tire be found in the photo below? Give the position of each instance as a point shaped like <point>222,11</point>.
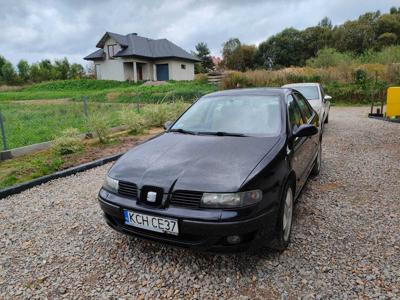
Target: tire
<point>318,161</point>
<point>284,224</point>
<point>327,119</point>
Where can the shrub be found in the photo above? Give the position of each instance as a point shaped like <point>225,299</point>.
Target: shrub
<point>68,142</point>
<point>158,114</point>
<point>235,80</point>
<point>135,122</point>
<point>98,124</point>
<point>329,57</point>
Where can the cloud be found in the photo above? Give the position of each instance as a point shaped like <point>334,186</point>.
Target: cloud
<point>39,29</point>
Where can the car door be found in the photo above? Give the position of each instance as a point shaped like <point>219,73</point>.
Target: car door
<point>312,142</point>
<point>297,148</point>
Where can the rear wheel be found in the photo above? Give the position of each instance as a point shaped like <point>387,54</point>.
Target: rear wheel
<point>327,119</point>
<point>284,226</point>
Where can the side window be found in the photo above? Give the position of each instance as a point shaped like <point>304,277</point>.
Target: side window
<point>295,118</point>
<point>304,106</point>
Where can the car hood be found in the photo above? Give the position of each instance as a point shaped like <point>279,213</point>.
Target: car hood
<point>176,161</point>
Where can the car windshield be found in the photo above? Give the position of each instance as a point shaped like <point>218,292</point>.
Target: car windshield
<point>246,115</point>
<point>310,92</point>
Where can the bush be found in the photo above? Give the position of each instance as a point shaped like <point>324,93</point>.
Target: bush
<point>329,57</point>
<point>235,80</point>
<point>98,124</point>
<point>157,114</point>
<point>135,122</point>
<point>68,142</point>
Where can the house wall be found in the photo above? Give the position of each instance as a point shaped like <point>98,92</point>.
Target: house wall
<point>115,69</point>
<point>147,68</point>
<point>175,70</point>
<point>111,69</point>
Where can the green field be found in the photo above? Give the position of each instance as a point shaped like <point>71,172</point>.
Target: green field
<point>30,123</point>
<point>110,91</point>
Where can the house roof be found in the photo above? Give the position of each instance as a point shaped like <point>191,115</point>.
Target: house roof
<point>135,45</point>
<point>98,54</point>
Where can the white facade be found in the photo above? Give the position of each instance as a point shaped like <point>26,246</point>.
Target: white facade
<point>134,69</point>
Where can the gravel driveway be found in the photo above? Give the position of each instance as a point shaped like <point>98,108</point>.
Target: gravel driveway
<point>345,241</point>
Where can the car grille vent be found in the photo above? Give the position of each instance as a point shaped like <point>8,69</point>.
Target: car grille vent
<point>186,198</point>
<point>127,189</point>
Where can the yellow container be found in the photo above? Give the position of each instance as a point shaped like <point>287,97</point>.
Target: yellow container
<point>393,102</point>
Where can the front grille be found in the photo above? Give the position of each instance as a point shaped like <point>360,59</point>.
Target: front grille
<point>186,198</point>
<point>127,189</point>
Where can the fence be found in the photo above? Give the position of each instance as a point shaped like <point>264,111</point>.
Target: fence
<point>215,78</point>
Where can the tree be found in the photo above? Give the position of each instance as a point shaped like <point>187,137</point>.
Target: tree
<point>2,62</point>
<point>388,24</point>
<point>203,53</point>
<point>229,53</point>
<point>35,73</point>
<point>325,23</point>
<point>76,71</point>
<point>283,49</point>
<point>23,70</point>
<point>62,69</point>
<point>8,73</point>
<point>246,57</point>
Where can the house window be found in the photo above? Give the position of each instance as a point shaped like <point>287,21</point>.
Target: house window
<point>111,50</point>
<point>183,66</point>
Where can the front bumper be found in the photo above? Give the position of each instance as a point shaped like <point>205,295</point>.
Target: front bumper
<point>208,233</point>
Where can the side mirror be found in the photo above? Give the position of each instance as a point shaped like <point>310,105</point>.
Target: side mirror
<point>168,124</point>
<point>327,97</point>
<point>305,130</point>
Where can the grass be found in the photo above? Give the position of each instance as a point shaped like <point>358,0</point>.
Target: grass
<point>27,123</point>
<point>28,167</point>
<point>110,91</point>
<point>32,122</point>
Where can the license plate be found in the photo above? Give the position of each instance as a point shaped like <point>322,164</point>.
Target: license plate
<point>153,223</point>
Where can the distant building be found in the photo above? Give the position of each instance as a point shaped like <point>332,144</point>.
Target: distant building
<point>133,57</point>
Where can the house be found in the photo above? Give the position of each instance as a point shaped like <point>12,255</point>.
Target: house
<point>134,58</point>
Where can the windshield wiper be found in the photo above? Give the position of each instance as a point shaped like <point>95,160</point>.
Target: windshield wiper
<point>221,133</point>
<point>180,130</point>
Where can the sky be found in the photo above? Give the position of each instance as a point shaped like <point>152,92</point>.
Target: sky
<point>39,29</point>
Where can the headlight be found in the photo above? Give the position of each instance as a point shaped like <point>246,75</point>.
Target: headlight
<point>231,200</point>
<point>111,184</point>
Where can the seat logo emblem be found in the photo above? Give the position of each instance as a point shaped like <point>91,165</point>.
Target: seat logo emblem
<point>151,197</point>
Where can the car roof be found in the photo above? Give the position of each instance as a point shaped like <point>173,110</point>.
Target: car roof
<point>301,84</point>
<point>250,91</point>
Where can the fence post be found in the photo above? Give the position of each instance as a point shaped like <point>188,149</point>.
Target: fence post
<point>3,132</point>
<point>85,106</point>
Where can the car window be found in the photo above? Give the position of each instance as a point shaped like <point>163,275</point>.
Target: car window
<point>243,114</point>
<point>304,106</point>
<point>310,92</point>
<point>295,118</point>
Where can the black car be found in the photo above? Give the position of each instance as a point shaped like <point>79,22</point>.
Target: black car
<point>222,177</point>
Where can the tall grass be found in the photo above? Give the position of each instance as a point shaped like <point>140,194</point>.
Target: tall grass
<point>341,82</point>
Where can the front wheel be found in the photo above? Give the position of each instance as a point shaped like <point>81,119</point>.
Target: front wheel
<point>284,226</point>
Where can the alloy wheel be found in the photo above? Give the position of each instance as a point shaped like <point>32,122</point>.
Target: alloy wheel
<point>287,214</point>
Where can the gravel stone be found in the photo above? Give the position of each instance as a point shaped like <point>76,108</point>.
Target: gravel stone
<point>345,241</point>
